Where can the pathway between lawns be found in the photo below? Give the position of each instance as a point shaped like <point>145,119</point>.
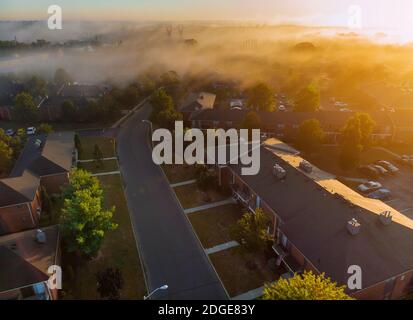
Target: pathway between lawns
<point>210,206</point>
<point>184,183</point>
<point>222,247</point>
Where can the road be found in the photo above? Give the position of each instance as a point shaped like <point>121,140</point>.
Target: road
<point>170,251</point>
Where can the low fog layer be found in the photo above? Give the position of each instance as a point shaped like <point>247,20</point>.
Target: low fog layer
<point>244,53</point>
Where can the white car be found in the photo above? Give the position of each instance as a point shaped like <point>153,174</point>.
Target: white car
<point>388,166</point>
<point>282,108</point>
<point>369,187</point>
<point>10,132</point>
<point>31,131</point>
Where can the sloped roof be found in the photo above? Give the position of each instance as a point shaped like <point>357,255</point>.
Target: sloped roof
<point>23,260</point>
<point>198,101</point>
<point>18,190</point>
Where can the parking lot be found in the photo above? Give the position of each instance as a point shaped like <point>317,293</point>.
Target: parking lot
<point>401,187</point>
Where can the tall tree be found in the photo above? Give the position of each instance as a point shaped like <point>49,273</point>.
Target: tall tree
<point>308,99</point>
<point>45,128</point>
<point>307,286</point>
<point>310,135</point>
<point>351,144</point>
<point>25,109</point>
<point>261,97</point>
<point>84,219</point>
<point>6,156</point>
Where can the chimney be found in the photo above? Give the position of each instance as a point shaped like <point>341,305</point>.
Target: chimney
<point>386,217</point>
<point>353,227</point>
<point>40,236</point>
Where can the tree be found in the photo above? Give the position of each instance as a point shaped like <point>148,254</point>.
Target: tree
<point>45,128</point>
<point>251,121</point>
<point>109,283</point>
<point>78,144</point>
<point>69,110</point>
<point>36,86</point>
<point>164,113</point>
<point>310,135</point>
<point>307,286</point>
<point>25,109</point>
<point>84,220</point>
<point>6,156</point>
<point>367,125</point>
<point>251,231</point>
<point>97,156</point>
<point>351,145</point>
<point>308,99</point>
<point>166,118</point>
<point>205,178</point>
<point>62,77</point>
<point>261,97</point>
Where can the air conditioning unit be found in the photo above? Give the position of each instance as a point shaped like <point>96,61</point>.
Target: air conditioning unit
<point>353,227</point>
<point>306,166</point>
<point>279,171</point>
<point>386,217</point>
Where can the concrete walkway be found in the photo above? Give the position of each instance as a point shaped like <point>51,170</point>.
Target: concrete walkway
<point>250,295</point>
<point>222,247</point>
<point>93,160</point>
<point>184,183</point>
<point>209,206</point>
<point>105,173</point>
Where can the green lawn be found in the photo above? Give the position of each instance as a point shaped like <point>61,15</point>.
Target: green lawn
<point>179,173</point>
<point>213,226</point>
<point>105,166</point>
<point>118,250</point>
<point>106,145</point>
<point>190,196</point>
<point>240,271</point>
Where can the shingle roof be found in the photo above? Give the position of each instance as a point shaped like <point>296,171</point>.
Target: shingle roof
<point>23,260</point>
<point>198,101</point>
<point>18,190</point>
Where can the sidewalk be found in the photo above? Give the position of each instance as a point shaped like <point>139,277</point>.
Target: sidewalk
<point>209,206</point>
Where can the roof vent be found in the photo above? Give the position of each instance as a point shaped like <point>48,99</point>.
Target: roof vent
<point>353,226</point>
<point>386,217</point>
<point>306,166</point>
<point>279,172</point>
<point>40,236</point>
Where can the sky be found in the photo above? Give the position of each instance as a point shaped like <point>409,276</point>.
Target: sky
<point>374,13</point>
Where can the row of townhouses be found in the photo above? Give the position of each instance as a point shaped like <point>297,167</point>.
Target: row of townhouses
<point>27,251</point>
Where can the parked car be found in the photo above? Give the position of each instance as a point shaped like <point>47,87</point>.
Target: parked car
<point>282,108</point>
<point>381,194</point>
<point>369,172</point>
<point>369,187</point>
<point>388,166</point>
<point>382,171</point>
<point>31,131</point>
<point>11,132</point>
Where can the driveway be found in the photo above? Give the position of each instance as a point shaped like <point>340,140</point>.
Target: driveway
<point>170,251</point>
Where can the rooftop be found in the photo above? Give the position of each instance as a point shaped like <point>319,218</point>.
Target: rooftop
<point>315,209</point>
<point>18,190</point>
<point>198,101</point>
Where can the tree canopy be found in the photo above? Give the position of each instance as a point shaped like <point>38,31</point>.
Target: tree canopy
<point>251,121</point>
<point>308,99</point>
<point>310,135</point>
<point>84,218</point>
<point>25,109</point>
<point>306,286</point>
<point>261,97</point>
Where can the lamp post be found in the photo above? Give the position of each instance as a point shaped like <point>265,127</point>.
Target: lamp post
<point>164,287</point>
<point>151,125</point>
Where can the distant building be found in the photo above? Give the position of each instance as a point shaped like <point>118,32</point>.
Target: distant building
<point>197,102</point>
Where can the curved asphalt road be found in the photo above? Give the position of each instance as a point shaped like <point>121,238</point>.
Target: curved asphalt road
<point>170,251</point>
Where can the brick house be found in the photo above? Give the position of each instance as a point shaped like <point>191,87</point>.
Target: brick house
<point>20,203</point>
<point>24,261</point>
<point>312,222</point>
<point>285,125</point>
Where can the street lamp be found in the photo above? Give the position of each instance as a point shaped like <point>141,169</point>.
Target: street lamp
<point>164,287</point>
<point>151,125</point>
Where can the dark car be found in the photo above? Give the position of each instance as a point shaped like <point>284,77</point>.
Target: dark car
<point>381,194</point>
<point>369,172</point>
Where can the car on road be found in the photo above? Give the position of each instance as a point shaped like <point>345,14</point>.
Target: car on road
<point>381,194</point>
<point>31,131</point>
<point>382,171</point>
<point>10,132</point>
<point>369,187</point>
<point>369,172</point>
<point>282,108</point>
<point>388,166</point>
